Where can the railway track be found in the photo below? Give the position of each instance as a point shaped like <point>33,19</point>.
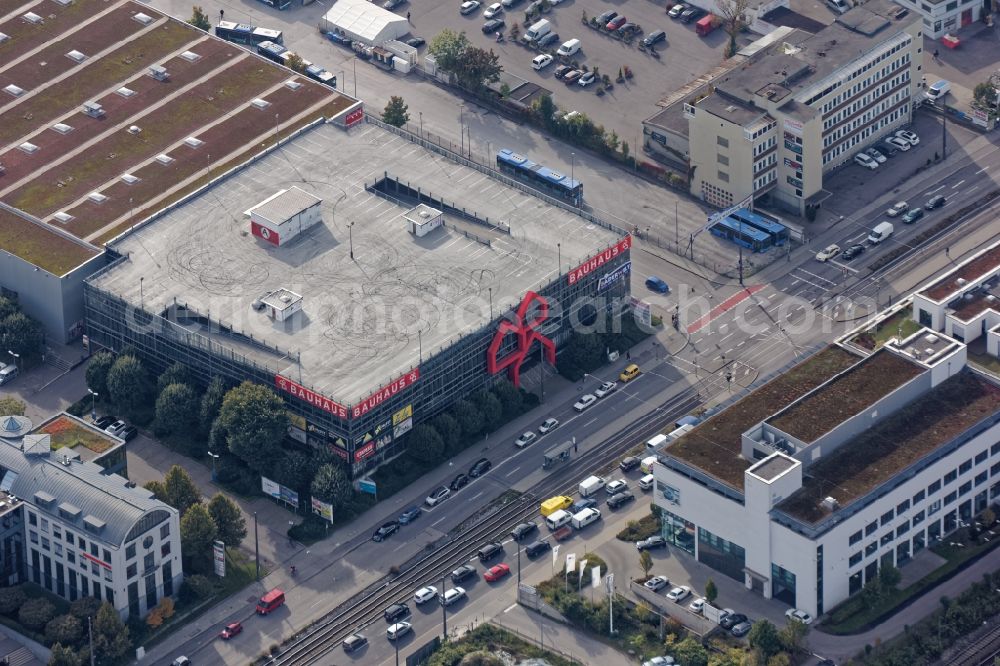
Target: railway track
<point>982,652</point>
<point>367,606</point>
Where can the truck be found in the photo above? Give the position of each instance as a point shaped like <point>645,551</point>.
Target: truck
<point>881,231</point>
<point>707,24</point>
<point>591,485</point>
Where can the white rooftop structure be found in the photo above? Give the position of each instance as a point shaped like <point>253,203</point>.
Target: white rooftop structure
<point>365,22</point>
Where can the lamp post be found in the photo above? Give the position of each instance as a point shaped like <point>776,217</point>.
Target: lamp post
<point>461,121</point>
<point>491,303</point>
<point>142,303</point>
<point>256,545</point>
<point>214,456</point>
<point>350,238</point>
<point>559,250</point>
<point>16,356</point>
<point>421,124</point>
<point>93,404</point>
<point>355,62</point>
<point>444,611</point>
<point>572,165</point>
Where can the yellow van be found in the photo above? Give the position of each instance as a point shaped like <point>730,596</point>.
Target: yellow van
<point>554,504</point>
<point>630,372</point>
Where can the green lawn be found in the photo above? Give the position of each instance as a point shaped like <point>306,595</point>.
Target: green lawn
<point>64,432</point>
<point>986,361</point>
<point>889,328</point>
<point>491,639</point>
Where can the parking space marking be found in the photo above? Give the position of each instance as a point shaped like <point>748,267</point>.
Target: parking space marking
<point>956,185</point>
<point>818,277</point>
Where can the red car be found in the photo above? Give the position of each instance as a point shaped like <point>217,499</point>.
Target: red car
<point>616,23</point>
<point>497,572</point>
<point>231,630</point>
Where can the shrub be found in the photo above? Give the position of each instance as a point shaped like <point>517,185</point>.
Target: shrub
<point>11,600</point>
<point>196,588</point>
<point>65,629</point>
<point>84,607</point>
<point>36,613</point>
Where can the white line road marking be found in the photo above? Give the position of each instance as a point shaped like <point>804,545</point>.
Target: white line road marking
<point>512,472</point>
<point>844,266</point>
<point>818,277</point>
<point>857,238</point>
<point>727,337</point>
<point>434,524</point>
<point>941,187</point>
<point>772,296</point>
<point>986,168</point>
<point>505,610</point>
<point>973,188</point>
<point>956,185</point>
<point>477,494</point>
<point>589,422</point>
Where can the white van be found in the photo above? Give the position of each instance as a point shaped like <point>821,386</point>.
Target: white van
<point>537,31</point>
<point>569,47</point>
<point>656,442</point>
<point>8,373</point>
<point>647,482</point>
<point>881,231</point>
<point>591,485</point>
<point>585,517</point>
<point>839,6</point>
<point>647,464</point>
<point>557,519</point>
<point>937,90</point>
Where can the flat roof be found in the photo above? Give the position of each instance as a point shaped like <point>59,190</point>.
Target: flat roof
<point>365,320</point>
<point>92,175</point>
<point>968,273</point>
<point>715,445</point>
<point>285,204</point>
<point>846,395</point>
<point>773,466</point>
<point>83,438</point>
<point>974,304</point>
<point>881,452</point>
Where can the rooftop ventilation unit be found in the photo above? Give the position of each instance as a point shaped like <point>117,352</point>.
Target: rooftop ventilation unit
<point>129,179</point>
<point>930,338</point>
<point>76,56</point>
<point>961,282</point>
<point>193,142</point>
<point>28,147</point>
<point>144,19</point>
<point>14,90</point>
<point>164,159</point>
<point>97,197</point>
<point>929,351</point>
<point>190,56</point>
<point>260,103</point>
<point>93,109</point>
<point>292,84</point>
<point>830,504</point>
<point>32,17</point>
<point>125,92</point>
<point>62,128</point>
<point>63,217</point>
<point>914,352</point>
<point>159,72</point>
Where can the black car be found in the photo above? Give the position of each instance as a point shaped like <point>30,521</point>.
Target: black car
<point>854,251</point>
<point>628,464</point>
<point>386,531</point>
<point>731,621</point>
<point>489,551</point>
<point>463,572</point>
<point>689,15</point>
<point>354,642</point>
<point>654,38</point>
<point>523,530</point>
<point>416,42</point>
<point>493,25</point>
<point>560,71</point>
<point>548,39</point>
<point>104,422</point>
<point>619,500</point>
<point>912,215</point>
<point>936,201</point>
<point>129,433</point>
<point>537,548</point>
<point>651,543</point>
<point>460,481</point>
<point>479,468</point>
<point>396,612</point>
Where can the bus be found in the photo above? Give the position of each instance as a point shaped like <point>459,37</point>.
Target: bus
<point>278,4</point>
<point>777,231</point>
<point>741,234</point>
<point>540,177</point>
<point>272,51</point>
<point>246,34</point>
<point>319,74</point>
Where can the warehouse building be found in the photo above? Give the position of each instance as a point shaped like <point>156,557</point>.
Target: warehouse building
<point>372,284</point>
<point>365,22</point>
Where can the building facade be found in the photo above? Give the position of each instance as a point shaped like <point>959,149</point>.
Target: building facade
<point>72,528</point>
<point>778,124</point>
<point>946,16</point>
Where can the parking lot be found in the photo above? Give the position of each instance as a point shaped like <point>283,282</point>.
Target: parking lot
<point>683,56</point>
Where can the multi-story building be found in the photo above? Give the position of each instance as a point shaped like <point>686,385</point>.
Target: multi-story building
<point>944,16</point>
<point>842,464</point>
<point>77,530</point>
<point>779,123</point>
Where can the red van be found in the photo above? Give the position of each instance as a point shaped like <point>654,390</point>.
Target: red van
<point>270,601</point>
<point>706,24</point>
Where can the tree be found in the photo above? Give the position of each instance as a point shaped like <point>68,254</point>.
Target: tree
<point>510,399</point>
<point>478,67</point>
<point>490,408</point>
<point>396,112</point>
<point>646,562</point>
<point>793,635</point>
<point>158,489</point>
<point>448,49</point>
<point>689,652</point>
<point>8,306</point>
<point>425,444</point>
<point>97,372</point>
<point>295,62</point>
<point>985,95</point>
<point>11,407</point>
<point>174,408</point>
<point>128,385</point>
<point>22,335</point>
<point>545,110</point>
<point>11,599</point>
<point>211,403</point>
<point>254,423</point>
<point>111,641</point>
<point>889,577</point>
<point>332,485</point>
<point>181,492</point>
<point>468,417</point>
<point>84,607</point>
<point>780,659</point>
<point>36,613</point>
<point>199,19</point>
<point>711,591</point>
<point>64,655</point>
<point>764,637</point>
<point>198,532</point>
<point>64,629</point>
<point>450,431</point>
<point>178,373</point>
<point>987,517</point>
<point>734,15</point>
<point>230,525</point>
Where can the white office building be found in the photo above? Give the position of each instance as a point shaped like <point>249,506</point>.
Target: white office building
<point>843,463</point>
<point>76,530</point>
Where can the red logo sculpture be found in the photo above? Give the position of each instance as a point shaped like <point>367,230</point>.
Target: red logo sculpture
<point>527,333</point>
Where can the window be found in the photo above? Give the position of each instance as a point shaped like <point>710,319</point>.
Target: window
<point>723,176</point>
<point>130,571</point>
<point>107,556</point>
<point>856,537</point>
<point>934,507</point>
<point>165,531</point>
<point>71,557</point>
<point>32,518</point>
<point>886,517</point>
<point>165,549</point>
<point>902,506</point>
<point>45,525</point>
<point>82,544</point>
<point>965,467</point>
<point>964,488</point>
<point>950,476</point>
<point>918,517</point>
<point>130,551</point>
<point>981,456</point>
<point>903,528</point>
<point>934,487</point>
<point>56,532</point>
<point>148,562</point>
<point>722,159</point>
<point>886,539</point>
<point>870,528</point>
<point>69,538</point>
<point>722,141</point>
<point>919,497</point>
<point>855,559</point>
<point>950,497</point>
<point>33,536</point>
<point>94,550</point>
<point>45,544</point>
<point>981,478</point>
<point>995,469</point>
<point>995,449</point>
<point>871,548</point>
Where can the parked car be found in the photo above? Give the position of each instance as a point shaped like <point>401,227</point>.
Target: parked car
<point>525,439</point>
<point>616,487</point>
<point>523,530</point>
<point>493,26</point>
<point>655,541</point>
<point>573,77</point>
<point>463,572</point>
<point>415,42</point>
<point>452,596</point>
<point>584,402</point>
<point>354,642</point>
<point>607,388</point>
<point>548,425</point>
<point>908,137</point>
<point>679,593</point>
<point>459,482</point>
<point>425,594</point>
<point>536,548</point>
<point>541,61</point>
<point>855,250</point>
<point>935,201</point>
<point>628,29</point>
<point>468,7</point>
<point>561,71</point>
<point>912,215</point>
<point>741,629</point>
<point>479,468</point>
<point>129,433</point>
<point>496,573</point>
<point>580,505</point>
<point>629,463</point>
<point>619,500</point>
<point>438,495</point>
<point>104,421</point>
<point>657,284</point>
<point>866,161</point>
<point>493,10</point>
<point>116,427</point>
<point>230,630</point>
<point>507,4</point>
<point>799,615</point>
<point>690,14</point>
<point>547,40</point>
<point>827,253</point>
<point>875,155</point>
<point>616,23</point>
<point>409,515</point>
<point>607,17</point>
<point>400,628</point>
<point>647,482</point>
<point>897,209</point>
<point>731,620</point>
<point>393,4</point>
<point>656,583</point>
<point>697,606</point>
<point>181,661</point>
<point>677,10</point>
<point>385,531</point>
<point>897,143</point>
<point>586,79</point>
<point>395,612</point>
<point>654,38</point>
<point>664,660</point>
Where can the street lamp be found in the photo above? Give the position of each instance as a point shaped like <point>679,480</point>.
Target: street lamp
<point>350,238</point>
<point>16,356</point>
<point>215,457</point>
<point>421,124</point>
<point>461,121</point>
<point>93,404</point>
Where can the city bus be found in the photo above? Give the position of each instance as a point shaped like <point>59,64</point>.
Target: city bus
<point>742,234</point>
<point>778,232</point>
<point>272,51</point>
<point>317,73</point>
<point>540,177</point>
<point>248,35</point>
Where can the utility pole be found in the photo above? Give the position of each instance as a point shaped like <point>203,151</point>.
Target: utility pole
<point>256,545</point>
<point>90,633</point>
<point>444,611</point>
<point>944,130</point>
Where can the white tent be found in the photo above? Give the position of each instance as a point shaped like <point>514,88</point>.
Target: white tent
<point>364,21</point>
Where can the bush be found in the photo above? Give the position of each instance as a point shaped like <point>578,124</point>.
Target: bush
<point>84,607</point>
<point>637,530</point>
<point>196,588</point>
<point>311,529</point>
<point>65,629</point>
<point>11,600</point>
<point>36,613</point>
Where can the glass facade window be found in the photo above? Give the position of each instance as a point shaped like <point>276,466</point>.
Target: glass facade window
<point>130,551</point>
<point>871,548</point>
<point>981,456</point>
<point>782,584</point>
<point>886,518</point>
<point>964,488</point>
<point>723,556</point>
<point>678,531</point>
<point>855,559</point>
<point>886,539</point>
<point>918,517</point>
<point>856,537</point>
<point>934,487</point>
<point>965,467</point>
<point>919,497</point>
<point>871,528</point>
<point>819,580</point>
<point>981,478</point>
<point>902,506</point>
<point>854,583</point>
<point>950,476</point>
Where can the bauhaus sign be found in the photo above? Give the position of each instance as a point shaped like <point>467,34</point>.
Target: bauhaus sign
<point>599,260</point>
<point>384,393</point>
<point>313,398</point>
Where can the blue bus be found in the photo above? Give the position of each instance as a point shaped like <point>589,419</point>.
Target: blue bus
<point>272,51</point>
<point>741,234</point>
<point>540,177</point>
<point>248,35</point>
<point>778,232</point>
<point>319,74</point>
